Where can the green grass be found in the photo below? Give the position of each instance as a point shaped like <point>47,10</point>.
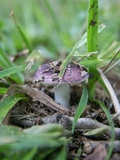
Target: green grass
<point>41,27</point>
<point>33,31</point>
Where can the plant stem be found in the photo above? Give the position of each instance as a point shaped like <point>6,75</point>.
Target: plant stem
<point>92,28</point>
<point>92,41</point>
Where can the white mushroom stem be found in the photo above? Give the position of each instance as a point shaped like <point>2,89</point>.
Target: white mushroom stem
<point>62,95</point>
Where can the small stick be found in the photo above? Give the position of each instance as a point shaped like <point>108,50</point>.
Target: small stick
<point>83,124</point>
<point>112,66</point>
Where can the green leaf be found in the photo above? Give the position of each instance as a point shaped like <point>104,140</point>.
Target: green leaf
<point>7,103</point>
<point>7,72</point>
<point>91,63</point>
<point>3,90</point>
<point>8,134</point>
<point>15,140</point>
<point>27,140</point>
<point>48,128</point>
<point>30,155</point>
<point>81,106</point>
<point>97,132</point>
<point>61,155</point>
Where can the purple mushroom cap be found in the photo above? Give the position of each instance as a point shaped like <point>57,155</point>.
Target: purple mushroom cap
<point>49,73</point>
<point>75,74</point>
<point>43,74</point>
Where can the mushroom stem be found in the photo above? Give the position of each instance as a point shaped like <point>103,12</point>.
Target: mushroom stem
<point>62,95</point>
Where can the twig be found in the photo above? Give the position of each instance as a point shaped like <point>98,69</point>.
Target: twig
<point>111,67</point>
<point>83,124</point>
<point>111,61</point>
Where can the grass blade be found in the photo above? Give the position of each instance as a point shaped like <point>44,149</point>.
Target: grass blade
<point>110,51</point>
<point>15,140</point>
<point>111,92</point>
<point>53,16</point>
<point>3,90</point>
<point>6,63</point>
<point>4,59</point>
<point>7,72</point>
<point>21,32</point>
<point>7,103</point>
<point>97,132</point>
<point>30,155</point>
<point>77,46</point>
<point>81,106</point>
<point>111,61</point>
<point>112,128</point>
<point>61,154</point>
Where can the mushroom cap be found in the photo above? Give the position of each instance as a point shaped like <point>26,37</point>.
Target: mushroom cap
<point>48,73</point>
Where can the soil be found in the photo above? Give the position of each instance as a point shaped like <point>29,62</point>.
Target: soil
<point>82,146</point>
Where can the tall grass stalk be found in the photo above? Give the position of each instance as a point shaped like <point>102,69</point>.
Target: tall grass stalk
<point>92,41</point>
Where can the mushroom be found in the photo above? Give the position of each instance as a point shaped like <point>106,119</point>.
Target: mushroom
<point>48,73</point>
